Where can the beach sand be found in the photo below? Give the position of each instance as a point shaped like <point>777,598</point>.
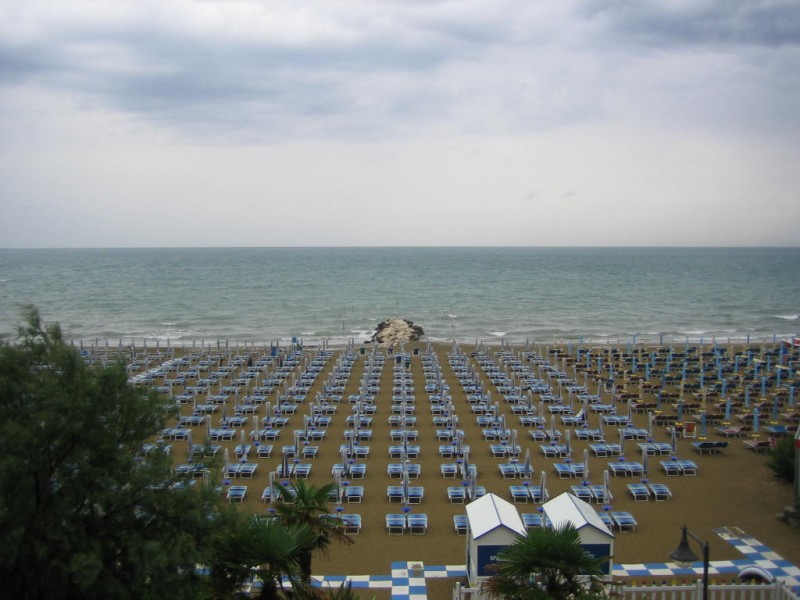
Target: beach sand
<point>735,489</point>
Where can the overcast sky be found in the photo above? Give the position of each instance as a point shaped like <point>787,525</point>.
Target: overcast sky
<point>399,122</point>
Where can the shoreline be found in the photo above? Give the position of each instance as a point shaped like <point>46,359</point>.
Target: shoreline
<point>336,343</point>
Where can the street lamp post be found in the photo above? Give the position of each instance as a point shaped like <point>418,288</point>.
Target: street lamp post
<point>684,556</point>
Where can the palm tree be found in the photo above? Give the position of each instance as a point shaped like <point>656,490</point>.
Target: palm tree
<point>307,504</point>
<point>546,563</point>
<point>262,546</point>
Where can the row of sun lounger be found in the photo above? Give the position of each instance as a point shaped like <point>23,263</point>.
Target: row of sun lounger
<point>644,491</point>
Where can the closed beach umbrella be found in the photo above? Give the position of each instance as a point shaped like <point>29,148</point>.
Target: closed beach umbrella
<point>644,461</point>
<point>271,486</point>
<point>756,414</point>
<point>567,436</point>
<point>543,486</point>
<point>606,487</point>
<point>284,464</point>
<point>703,424</point>
<point>674,441</point>
<point>586,463</point>
<point>727,409</point>
<point>528,468</point>
<point>189,446</point>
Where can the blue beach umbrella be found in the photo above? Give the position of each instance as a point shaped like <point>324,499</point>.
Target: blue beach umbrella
<point>703,424</point>
<point>755,419</point>
<point>727,409</point>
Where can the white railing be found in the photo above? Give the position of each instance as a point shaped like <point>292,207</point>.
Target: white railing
<point>735,591</point>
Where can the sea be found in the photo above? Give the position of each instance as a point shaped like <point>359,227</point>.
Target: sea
<point>192,296</point>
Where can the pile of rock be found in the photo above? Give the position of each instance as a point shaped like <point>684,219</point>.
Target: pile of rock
<point>397,331</point>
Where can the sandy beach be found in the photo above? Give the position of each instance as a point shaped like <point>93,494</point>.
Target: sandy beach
<point>734,489</point>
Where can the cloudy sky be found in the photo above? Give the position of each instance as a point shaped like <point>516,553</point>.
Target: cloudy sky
<point>399,122</point>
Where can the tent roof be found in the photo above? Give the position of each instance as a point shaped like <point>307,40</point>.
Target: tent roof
<point>489,512</point>
<point>567,508</point>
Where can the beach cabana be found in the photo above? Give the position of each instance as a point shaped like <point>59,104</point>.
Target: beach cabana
<point>596,537</point>
<point>494,524</point>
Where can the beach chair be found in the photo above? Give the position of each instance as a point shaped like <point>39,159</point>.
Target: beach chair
<point>623,520</point>
<point>705,447</point>
<point>310,452</point>
<point>660,491</point>
<point>456,494</point>
<point>532,520</point>
<point>449,470</point>
<point>757,446</point>
<point>417,523</point>
<point>537,435</point>
<point>396,523</point>
<point>606,519</point>
<point>600,493</point>
<point>584,492</point>
<point>264,450</point>
<point>415,494</point>
<point>509,470</point>
<point>635,469</point>
<point>302,470</point>
<point>352,523</point>
<point>687,467</point>
<point>519,493</point>
<point>565,470</point>
<point>671,468</point>
<point>236,493</point>
<point>639,491</point>
<point>245,470</point>
<point>354,494</point>
<point>600,450</point>
<point>618,469</point>
<point>461,524</point>
<point>395,493</point>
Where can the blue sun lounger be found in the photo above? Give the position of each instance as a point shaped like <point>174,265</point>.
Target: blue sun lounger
<point>237,493</point>
<point>354,494</point>
<point>624,520</point>
<point>584,492</point>
<point>396,523</point>
<point>461,524</point>
<point>639,491</point>
<point>456,494</point>
<point>417,523</point>
<point>519,493</point>
<point>532,520</point>
<point>352,523</point>
<point>660,491</point>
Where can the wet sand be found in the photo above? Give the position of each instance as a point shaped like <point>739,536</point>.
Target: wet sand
<point>735,489</point>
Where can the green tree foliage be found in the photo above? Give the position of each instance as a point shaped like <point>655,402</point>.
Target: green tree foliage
<point>307,504</point>
<point>82,516</point>
<point>546,564</point>
<point>782,459</point>
<point>263,546</point>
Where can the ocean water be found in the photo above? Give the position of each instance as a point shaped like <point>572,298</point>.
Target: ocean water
<point>261,295</point>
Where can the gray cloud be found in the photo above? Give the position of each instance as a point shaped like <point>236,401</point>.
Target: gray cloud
<point>768,23</point>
